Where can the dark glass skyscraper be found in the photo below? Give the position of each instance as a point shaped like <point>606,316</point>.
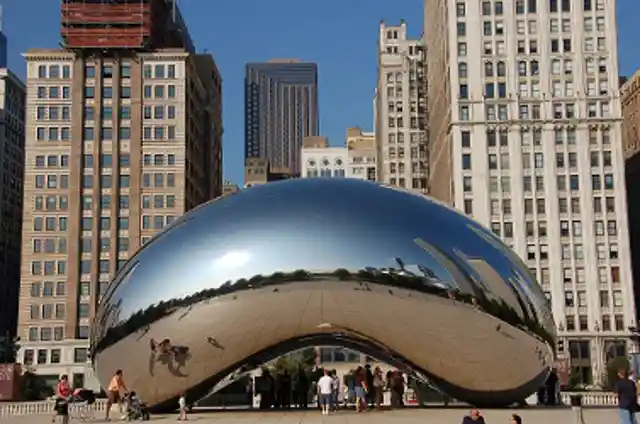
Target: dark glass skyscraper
<point>281,108</point>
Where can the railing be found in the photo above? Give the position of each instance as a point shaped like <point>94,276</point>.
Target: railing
<point>44,407</point>
<point>589,399</point>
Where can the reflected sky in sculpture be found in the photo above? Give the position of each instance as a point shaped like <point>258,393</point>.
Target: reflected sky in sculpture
<point>320,226</point>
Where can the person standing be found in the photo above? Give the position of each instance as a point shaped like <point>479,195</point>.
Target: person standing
<point>378,387</point>
<point>116,389</point>
<point>182,404</point>
<point>325,389</point>
<point>335,393</point>
<point>627,394</point>
<point>360,385</point>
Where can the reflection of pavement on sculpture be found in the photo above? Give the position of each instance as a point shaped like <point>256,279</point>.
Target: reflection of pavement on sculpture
<point>433,415</point>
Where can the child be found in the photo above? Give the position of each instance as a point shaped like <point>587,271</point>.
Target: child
<point>182,402</point>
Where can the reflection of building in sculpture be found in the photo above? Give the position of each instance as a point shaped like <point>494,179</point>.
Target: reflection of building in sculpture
<point>258,171</point>
<point>489,144</point>
<point>357,159</point>
<point>229,188</point>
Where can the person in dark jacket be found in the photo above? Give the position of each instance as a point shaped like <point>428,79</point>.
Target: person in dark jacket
<point>474,417</point>
<point>627,393</point>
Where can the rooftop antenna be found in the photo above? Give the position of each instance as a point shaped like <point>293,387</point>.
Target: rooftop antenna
<point>1,16</point>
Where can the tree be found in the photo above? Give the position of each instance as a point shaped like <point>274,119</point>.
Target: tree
<point>613,367</point>
<point>304,359</point>
<point>9,349</point>
<point>575,378</point>
<point>34,387</point>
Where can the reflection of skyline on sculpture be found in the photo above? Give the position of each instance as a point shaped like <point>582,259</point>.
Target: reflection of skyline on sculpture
<point>328,240</point>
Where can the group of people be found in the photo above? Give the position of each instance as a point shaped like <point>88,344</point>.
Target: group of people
<point>364,388</point>
<point>475,417</point>
<point>281,389</point>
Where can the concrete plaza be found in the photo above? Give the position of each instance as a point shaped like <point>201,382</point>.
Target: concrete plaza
<point>405,416</point>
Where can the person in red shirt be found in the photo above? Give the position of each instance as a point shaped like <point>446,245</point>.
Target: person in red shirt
<point>63,393</point>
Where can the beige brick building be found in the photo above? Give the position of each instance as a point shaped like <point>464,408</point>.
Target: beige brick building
<point>117,146</point>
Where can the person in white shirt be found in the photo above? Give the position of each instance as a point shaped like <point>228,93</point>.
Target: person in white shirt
<point>182,403</point>
<point>325,389</point>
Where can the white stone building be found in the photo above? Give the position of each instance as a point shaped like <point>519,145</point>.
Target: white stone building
<point>400,105</point>
<point>525,136</point>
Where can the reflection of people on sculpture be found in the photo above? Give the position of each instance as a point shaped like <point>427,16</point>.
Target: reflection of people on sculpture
<point>213,342</point>
<point>175,357</point>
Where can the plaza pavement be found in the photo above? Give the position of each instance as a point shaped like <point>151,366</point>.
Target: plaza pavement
<point>406,416</point>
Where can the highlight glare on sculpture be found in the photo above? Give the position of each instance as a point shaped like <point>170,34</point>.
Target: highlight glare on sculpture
<point>341,262</point>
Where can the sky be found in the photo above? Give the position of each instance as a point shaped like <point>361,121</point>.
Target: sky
<point>340,35</point>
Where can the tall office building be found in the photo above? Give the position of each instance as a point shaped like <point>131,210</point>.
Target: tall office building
<point>630,99</point>
<point>400,106</point>
<point>12,109</point>
<point>281,108</point>
<point>525,135</point>
<point>120,141</point>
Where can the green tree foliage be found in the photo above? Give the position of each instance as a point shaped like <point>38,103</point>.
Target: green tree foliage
<point>304,359</point>
<point>34,387</point>
<point>613,367</point>
<point>9,349</point>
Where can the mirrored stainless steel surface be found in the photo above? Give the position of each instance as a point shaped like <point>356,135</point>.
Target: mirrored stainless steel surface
<point>270,269</point>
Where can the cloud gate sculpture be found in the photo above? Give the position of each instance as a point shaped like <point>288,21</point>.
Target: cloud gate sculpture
<point>330,262</point>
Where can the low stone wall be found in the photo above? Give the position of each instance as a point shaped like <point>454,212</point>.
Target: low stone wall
<point>7,409</point>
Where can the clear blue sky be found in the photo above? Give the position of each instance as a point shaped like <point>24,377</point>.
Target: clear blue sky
<point>340,35</point>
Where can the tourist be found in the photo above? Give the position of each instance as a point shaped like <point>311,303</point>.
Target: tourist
<point>301,388</point>
<point>515,419</point>
<point>369,385</point>
<point>115,391</point>
<point>182,404</point>
<point>378,387</point>
<point>63,394</point>
<point>325,389</point>
<point>474,417</point>
<point>360,385</point>
<point>335,390</point>
<point>626,391</point>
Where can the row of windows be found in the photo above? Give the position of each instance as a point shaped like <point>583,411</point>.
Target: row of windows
<point>565,206</point>
<point>49,267</point>
<point>527,138</point>
<point>86,245</point>
<point>568,252</point>
<point>51,203</point>
<point>159,71</point>
<point>54,356</point>
<point>563,160</point>
<point>159,201</point>
<point>54,71</point>
<point>53,181</point>
<point>47,311</point>
<point>159,112</point>
<point>572,183</point>
<point>50,245</point>
<point>583,323</point>
<point>156,222</point>
<point>566,228</point>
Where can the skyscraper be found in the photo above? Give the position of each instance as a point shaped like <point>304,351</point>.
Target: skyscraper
<point>525,135</point>
<point>120,142</point>
<point>400,106</point>
<point>281,108</point>
<point>12,109</point>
